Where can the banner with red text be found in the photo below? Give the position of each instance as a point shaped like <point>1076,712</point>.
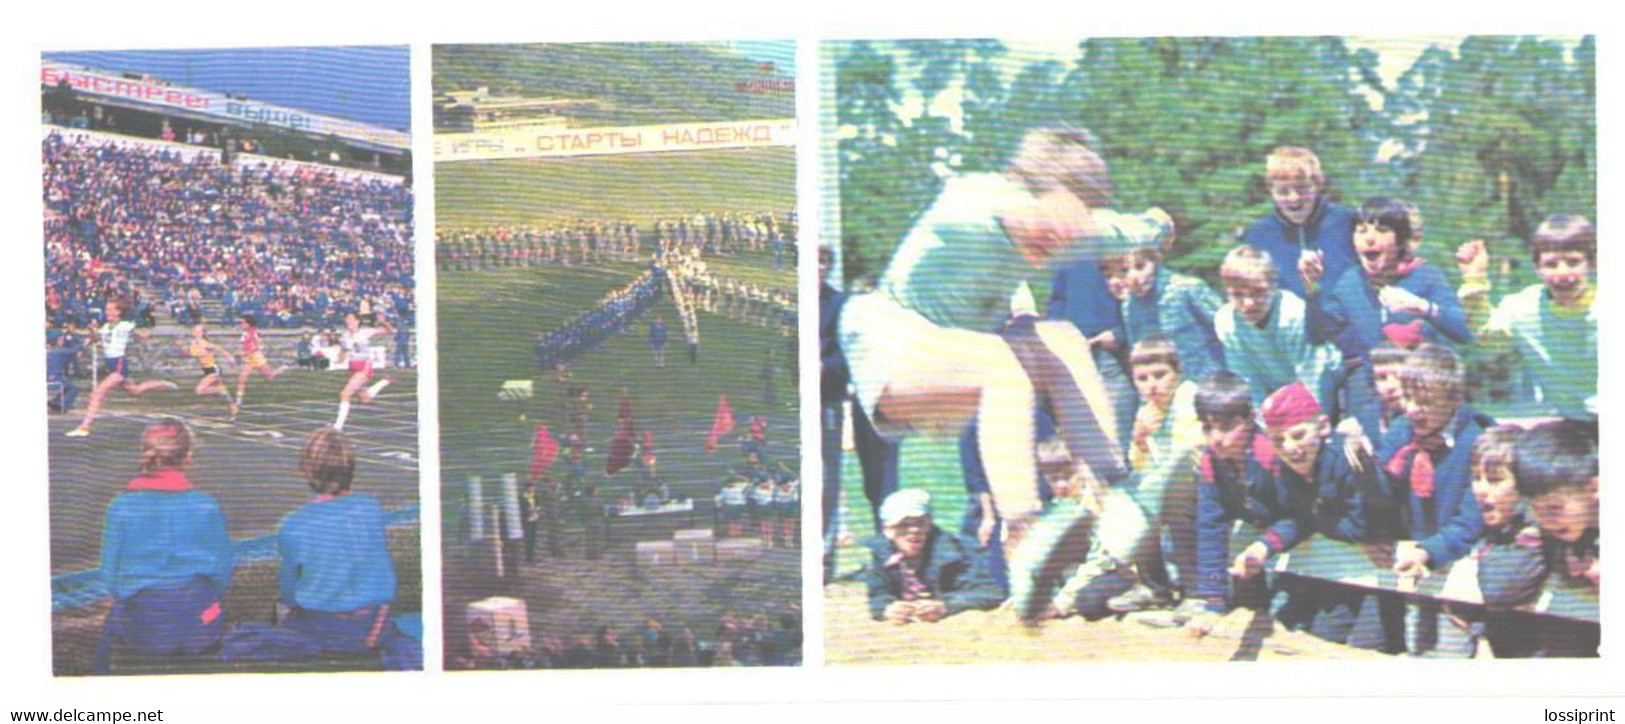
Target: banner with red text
<point>551,142</point>
<point>153,94</point>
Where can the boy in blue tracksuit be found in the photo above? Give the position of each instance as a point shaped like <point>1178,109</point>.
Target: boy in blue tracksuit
<point>1305,228</point>
<point>1390,286</point>
<point>1157,300</point>
<point>1425,463</point>
<point>1237,482</point>
<point>337,575</point>
<point>1078,294</point>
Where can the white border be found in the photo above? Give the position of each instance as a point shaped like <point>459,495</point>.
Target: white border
<point>1499,691</point>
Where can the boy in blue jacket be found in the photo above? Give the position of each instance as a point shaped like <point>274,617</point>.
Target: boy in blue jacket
<point>337,575</point>
<point>1157,300</point>
<point>1238,482</point>
<point>1556,471</point>
<point>1425,458</point>
<point>1391,286</point>
<point>1078,294</point>
<point>1306,229</point>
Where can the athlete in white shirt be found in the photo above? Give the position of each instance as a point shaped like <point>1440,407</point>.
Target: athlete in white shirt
<point>355,347</point>
<point>114,337</point>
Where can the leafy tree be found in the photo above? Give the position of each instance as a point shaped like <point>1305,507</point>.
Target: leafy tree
<point>1504,135</point>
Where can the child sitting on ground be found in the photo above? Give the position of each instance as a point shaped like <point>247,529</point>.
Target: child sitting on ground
<point>337,575</point>
<point>166,558</point>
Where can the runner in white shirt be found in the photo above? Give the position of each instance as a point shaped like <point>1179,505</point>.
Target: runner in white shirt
<point>114,337</point>
<point>355,347</point>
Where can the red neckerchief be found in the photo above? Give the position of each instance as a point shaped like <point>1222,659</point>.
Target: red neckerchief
<point>1419,453</point>
<point>168,480</point>
<point>913,587</point>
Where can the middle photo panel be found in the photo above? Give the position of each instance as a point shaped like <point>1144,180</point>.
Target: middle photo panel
<point>616,242</point>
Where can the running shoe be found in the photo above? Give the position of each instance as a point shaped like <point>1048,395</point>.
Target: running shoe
<point>1140,598</point>
<point>1176,617</point>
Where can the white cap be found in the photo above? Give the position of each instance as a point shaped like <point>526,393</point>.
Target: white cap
<point>905,504</point>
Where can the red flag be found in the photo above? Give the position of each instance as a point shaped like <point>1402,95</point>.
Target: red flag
<point>542,452</point>
<point>626,432</point>
<point>722,425</point>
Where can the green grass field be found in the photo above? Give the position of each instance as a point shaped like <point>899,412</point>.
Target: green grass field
<point>489,322</point>
<point>637,187</point>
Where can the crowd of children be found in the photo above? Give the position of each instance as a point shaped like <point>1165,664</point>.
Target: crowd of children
<point>1323,391</point>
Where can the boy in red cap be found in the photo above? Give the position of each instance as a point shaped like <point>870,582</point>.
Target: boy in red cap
<point>1347,505</point>
<point>1239,482</point>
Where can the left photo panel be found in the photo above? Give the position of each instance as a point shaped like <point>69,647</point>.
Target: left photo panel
<point>231,361</point>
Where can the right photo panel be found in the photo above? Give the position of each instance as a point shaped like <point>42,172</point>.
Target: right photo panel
<point>1209,349</point>
<point>616,246</point>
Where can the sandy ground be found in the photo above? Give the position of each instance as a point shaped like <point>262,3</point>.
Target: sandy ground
<point>851,637</point>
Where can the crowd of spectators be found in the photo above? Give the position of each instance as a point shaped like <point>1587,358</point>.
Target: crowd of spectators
<point>738,640</point>
<point>293,244</point>
<point>1318,396</point>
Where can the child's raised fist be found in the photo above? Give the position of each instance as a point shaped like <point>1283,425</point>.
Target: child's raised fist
<point>1473,259</point>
